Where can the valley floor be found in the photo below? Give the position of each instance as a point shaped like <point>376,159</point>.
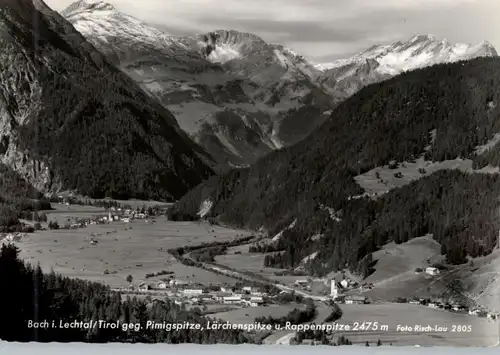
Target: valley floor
<point>140,247</point>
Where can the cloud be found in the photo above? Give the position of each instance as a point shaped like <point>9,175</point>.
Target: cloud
<point>323,29</point>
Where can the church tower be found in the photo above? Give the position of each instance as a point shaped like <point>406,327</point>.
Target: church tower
<point>334,292</point>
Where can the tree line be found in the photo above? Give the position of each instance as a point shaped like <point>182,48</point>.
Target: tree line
<point>27,293</point>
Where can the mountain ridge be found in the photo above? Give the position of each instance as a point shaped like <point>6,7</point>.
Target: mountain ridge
<point>419,42</point>
<point>380,62</point>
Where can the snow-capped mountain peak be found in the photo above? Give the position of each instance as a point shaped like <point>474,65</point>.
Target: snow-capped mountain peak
<point>419,51</point>
<point>88,5</point>
<point>115,33</point>
<point>95,17</point>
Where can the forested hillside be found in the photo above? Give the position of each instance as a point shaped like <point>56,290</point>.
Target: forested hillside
<point>18,199</point>
<point>69,120</point>
<point>445,111</point>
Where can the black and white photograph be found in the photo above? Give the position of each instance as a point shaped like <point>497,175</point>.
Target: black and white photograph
<point>249,174</point>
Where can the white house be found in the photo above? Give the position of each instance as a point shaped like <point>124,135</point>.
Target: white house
<point>258,293</point>
<point>432,271</point>
<point>251,289</point>
<point>219,296</point>
<point>144,287</point>
<point>432,305</point>
<point>344,283</point>
<point>175,282</point>
<point>355,300</point>
<point>232,299</point>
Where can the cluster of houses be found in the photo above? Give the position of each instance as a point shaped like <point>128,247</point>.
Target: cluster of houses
<point>452,307</point>
<point>345,284</point>
<point>249,296</point>
<point>116,216</point>
<point>12,237</point>
<point>338,288</point>
<point>121,215</point>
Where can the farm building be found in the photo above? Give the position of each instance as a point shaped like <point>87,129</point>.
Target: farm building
<point>432,271</point>
<point>175,282</point>
<point>219,296</point>
<point>301,282</point>
<point>458,308</point>
<point>144,287</point>
<point>355,300</point>
<point>232,299</point>
<point>256,301</point>
<point>193,291</point>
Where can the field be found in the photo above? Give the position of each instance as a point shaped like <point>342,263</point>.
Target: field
<point>252,262</point>
<point>247,315</point>
<point>483,332</point>
<point>380,180</point>
<point>135,248</point>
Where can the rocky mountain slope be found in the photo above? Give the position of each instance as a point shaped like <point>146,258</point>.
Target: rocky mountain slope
<point>71,120</point>
<point>447,113</point>
<point>236,95</point>
<point>381,62</point>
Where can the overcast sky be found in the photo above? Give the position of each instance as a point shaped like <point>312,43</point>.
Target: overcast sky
<point>323,29</point>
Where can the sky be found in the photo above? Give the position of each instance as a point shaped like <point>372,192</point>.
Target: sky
<point>322,30</point>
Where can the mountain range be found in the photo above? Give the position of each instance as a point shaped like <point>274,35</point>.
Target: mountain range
<point>381,62</point>
<point>236,95</point>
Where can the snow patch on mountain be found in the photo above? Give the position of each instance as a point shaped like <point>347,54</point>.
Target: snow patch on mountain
<point>223,53</point>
